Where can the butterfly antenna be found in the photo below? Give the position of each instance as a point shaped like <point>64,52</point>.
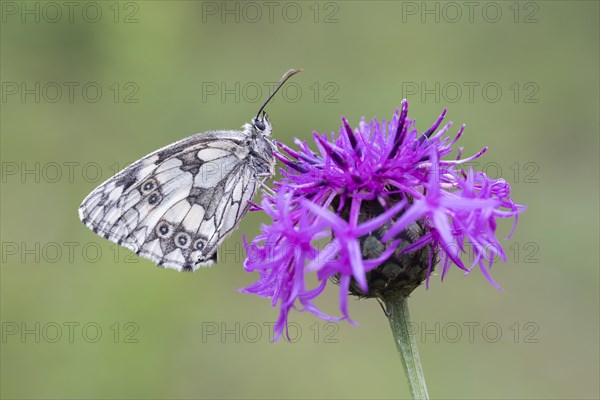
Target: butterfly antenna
<point>288,74</point>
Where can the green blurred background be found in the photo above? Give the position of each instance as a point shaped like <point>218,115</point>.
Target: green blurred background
<point>169,69</point>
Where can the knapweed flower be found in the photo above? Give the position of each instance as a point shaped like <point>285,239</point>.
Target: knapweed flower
<point>391,202</point>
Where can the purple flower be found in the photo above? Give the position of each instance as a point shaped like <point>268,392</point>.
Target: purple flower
<point>389,204</point>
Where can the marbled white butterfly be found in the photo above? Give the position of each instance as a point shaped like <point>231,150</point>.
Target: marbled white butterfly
<point>176,205</point>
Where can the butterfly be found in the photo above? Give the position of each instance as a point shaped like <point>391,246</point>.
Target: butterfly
<point>176,205</point>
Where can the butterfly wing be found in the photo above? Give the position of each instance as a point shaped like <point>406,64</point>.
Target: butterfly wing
<point>176,206</point>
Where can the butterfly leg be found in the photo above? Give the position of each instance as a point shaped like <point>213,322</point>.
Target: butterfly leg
<point>265,188</point>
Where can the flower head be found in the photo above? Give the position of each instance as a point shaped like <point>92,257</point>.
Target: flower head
<point>391,206</point>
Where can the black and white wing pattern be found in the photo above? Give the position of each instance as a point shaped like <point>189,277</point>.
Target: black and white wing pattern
<point>176,205</point>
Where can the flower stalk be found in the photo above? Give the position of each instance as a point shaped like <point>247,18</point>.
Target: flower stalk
<point>396,309</point>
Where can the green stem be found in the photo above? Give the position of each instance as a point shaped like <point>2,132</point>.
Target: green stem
<point>396,308</point>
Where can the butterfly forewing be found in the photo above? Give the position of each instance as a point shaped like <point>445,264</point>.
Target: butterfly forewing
<point>176,206</point>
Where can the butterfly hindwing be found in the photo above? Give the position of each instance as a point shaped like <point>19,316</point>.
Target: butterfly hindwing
<point>176,206</point>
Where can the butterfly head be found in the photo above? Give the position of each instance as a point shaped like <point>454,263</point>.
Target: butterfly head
<point>261,126</point>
